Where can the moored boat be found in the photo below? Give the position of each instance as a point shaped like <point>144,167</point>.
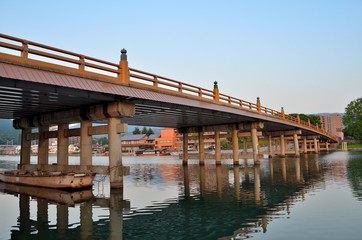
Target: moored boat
<point>48,179</point>
<point>153,152</point>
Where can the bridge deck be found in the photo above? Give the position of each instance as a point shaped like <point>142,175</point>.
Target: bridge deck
<point>31,86</point>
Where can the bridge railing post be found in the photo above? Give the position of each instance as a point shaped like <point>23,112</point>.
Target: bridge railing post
<point>81,63</point>
<point>258,105</point>
<point>123,74</point>
<point>283,114</point>
<point>25,51</point>
<point>216,92</point>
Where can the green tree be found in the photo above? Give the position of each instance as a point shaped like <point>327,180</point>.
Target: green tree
<point>144,130</point>
<point>313,118</point>
<point>352,119</point>
<point>136,131</point>
<point>149,132</point>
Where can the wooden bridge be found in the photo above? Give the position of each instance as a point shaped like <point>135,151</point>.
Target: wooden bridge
<point>42,86</point>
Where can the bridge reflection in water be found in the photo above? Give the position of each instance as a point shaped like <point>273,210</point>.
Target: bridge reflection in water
<point>212,201</point>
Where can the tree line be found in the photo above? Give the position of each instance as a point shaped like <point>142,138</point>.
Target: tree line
<point>352,119</point>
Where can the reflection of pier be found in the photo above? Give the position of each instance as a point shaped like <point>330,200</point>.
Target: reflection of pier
<point>246,197</point>
<point>84,200</point>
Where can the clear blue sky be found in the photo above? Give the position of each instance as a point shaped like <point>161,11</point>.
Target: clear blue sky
<point>303,55</point>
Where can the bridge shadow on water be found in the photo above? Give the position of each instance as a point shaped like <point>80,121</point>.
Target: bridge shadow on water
<point>210,202</point>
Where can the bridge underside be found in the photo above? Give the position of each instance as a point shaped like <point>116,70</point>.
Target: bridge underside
<point>27,92</point>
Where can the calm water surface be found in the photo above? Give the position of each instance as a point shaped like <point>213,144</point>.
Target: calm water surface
<point>314,197</point>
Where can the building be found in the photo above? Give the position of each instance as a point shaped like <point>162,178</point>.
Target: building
<point>134,142</point>
<point>193,140</point>
<point>332,123</point>
<point>168,139</point>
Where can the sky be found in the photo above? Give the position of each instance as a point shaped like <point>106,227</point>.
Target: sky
<point>305,56</point>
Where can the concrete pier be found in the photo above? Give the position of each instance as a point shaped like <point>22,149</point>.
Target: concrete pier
<point>111,112</point>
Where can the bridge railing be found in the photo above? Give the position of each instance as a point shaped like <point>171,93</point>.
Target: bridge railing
<point>39,54</point>
<point>23,51</point>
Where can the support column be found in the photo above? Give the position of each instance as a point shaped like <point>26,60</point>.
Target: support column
<point>25,147</point>
<point>201,148</point>
<point>85,145</point>
<point>217,148</point>
<point>282,146</point>
<point>185,143</point>
<point>296,145</point>
<point>235,146</point>
<point>305,147</point>
<point>43,146</point>
<point>115,157</point>
<point>315,145</point>
<point>270,146</point>
<point>254,139</point>
<point>245,146</point>
<point>63,143</point>
<point>327,146</point>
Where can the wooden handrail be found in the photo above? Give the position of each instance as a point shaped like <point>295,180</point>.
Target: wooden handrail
<point>26,48</point>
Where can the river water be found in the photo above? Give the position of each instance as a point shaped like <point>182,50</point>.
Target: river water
<point>314,197</point>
